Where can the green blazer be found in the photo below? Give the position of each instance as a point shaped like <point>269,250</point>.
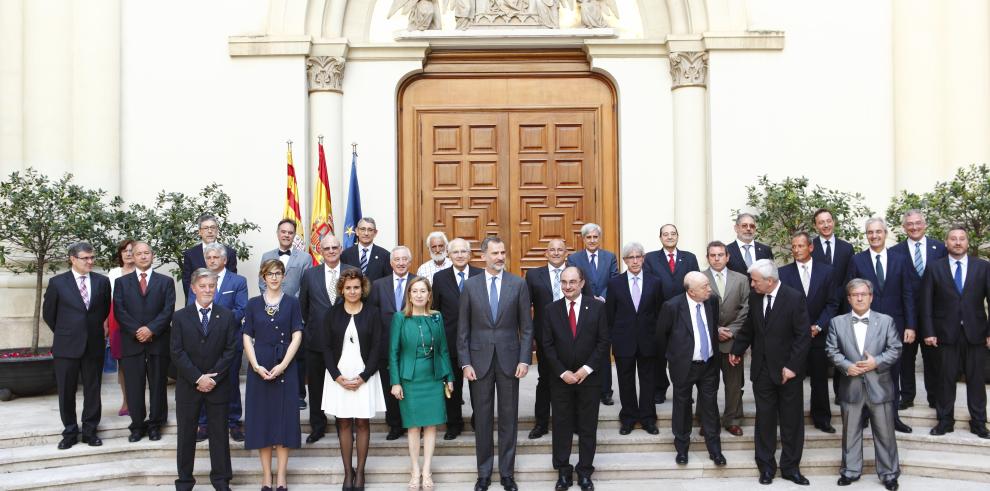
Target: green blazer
<point>402,349</point>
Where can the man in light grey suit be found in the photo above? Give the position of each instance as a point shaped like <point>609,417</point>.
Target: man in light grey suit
<point>494,346</point>
<point>732,289</point>
<point>864,345</point>
<point>296,262</point>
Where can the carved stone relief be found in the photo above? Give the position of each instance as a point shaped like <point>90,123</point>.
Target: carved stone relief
<point>325,73</point>
<point>688,69</point>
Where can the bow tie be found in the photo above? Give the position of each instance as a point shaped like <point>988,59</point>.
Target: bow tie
<point>284,253</point>
<point>864,320</point>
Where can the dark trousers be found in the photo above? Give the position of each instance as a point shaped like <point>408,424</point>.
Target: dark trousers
<point>484,391</point>
<point>929,356</point>
<point>636,408</point>
<point>575,410</point>
<point>186,415</point>
<point>455,420</point>
<point>662,381</point>
<point>821,409</point>
<point>315,376</point>
<point>300,360</point>
<point>971,359</point>
<point>392,415</point>
<point>783,404</point>
<point>605,372</point>
<point>704,377</point>
<point>67,372</point>
<point>544,380</point>
<point>234,406</point>
<point>138,369</point>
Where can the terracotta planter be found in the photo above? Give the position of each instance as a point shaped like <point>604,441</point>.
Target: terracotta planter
<point>27,376</point>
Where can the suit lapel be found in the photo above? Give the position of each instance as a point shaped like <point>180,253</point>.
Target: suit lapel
<point>503,292</point>
<point>817,276</point>
<point>322,287</point>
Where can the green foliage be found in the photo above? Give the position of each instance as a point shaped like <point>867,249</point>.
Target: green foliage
<point>963,200</point>
<point>787,207</point>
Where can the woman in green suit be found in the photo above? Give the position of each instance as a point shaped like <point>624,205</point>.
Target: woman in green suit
<point>420,370</point>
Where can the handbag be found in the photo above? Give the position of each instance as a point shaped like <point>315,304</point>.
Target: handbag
<point>448,392</point>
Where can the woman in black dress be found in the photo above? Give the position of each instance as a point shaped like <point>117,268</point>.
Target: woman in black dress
<point>272,335</point>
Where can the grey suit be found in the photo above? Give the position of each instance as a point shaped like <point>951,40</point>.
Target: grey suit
<point>299,262</point>
<point>873,390</point>
<point>493,348</point>
<point>733,309</point>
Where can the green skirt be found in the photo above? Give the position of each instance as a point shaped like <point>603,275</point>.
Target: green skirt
<point>423,400</point>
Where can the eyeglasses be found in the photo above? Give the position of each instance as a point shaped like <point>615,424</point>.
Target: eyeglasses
<point>273,274</point>
<point>634,258</point>
<point>366,229</point>
<point>859,295</point>
<point>209,227</point>
<point>85,258</point>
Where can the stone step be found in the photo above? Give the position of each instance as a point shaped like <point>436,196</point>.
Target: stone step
<point>530,469</point>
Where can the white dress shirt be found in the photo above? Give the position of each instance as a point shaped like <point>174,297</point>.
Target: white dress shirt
<point>964,261</point>
<point>498,283</point>
<point>924,253</point>
<point>89,285</point>
<point>800,268</point>
<point>555,272</point>
<point>766,298</point>
<point>430,268</point>
<point>330,277</point>
<point>830,248</point>
<point>859,329</point>
<point>693,309</point>
<point>577,319</point>
<point>199,315</point>
<point>883,261</point>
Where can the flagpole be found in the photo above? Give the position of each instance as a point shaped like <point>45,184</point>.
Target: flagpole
<point>354,148</point>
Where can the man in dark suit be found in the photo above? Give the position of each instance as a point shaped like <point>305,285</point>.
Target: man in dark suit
<point>317,294</point>
<point>447,286</point>
<point>893,291</point>
<point>777,329</point>
<point>575,338</point>
<point>143,302</point>
<point>204,336</point>
<point>544,288</point>
<point>922,251</point>
<point>371,259</point>
<point>745,249</point>
<point>816,280</point>
<point>830,249</point>
<point>231,293</point>
<point>76,304</point>
<point>193,258</point>
<point>388,296</point>
<point>670,265</point>
<point>954,320</point>
<point>494,348</point>
<point>296,262</point>
<point>599,266</point>
<point>632,304</point>
<point>687,331</point>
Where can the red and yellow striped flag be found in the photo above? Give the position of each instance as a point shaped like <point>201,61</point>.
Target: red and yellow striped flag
<point>292,200</point>
<point>322,217</point>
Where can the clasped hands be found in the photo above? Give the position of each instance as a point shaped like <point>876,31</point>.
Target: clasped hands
<point>144,334</point>
<point>350,383</point>
<point>577,377</point>
<point>205,383</point>
<point>272,374</point>
<point>862,366</point>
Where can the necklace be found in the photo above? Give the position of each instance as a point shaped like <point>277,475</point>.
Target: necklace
<point>427,350</point>
<point>272,308</point>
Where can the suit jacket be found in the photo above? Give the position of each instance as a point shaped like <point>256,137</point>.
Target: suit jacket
<point>733,307</point>
<point>633,330</point>
<point>655,263</point>
<point>935,250</point>
<point>563,350</point>
<point>195,353</point>
<point>379,261</point>
<point>153,309</point>
<point>505,340</point>
<point>78,330</point>
<point>607,268</point>
<point>299,262</point>
<point>946,314</point>
<point>447,300</point>
<point>382,297</point>
<point>193,259</point>
<point>822,299</point>
<point>736,261</point>
<point>883,342</point>
<point>368,323</point>
<point>404,343</point>
<point>896,299</point>
<point>540,287</point>
<point>232,295</point>
<point>315,304</point>
<point>781,341</point>
<point>675,334</point>
<point>841,256</point>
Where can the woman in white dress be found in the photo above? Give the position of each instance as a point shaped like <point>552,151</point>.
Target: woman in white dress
<point>353,392</point>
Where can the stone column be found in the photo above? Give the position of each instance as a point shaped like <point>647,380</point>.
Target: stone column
<point>325,119</point>
<point>47,88</point>
<point>692,208</point>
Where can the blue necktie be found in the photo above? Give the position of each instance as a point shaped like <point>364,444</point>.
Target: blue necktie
<point>364,260</point>
<point>205,320</point>
<point>919,265</point>
<point>398,294</point>
<point>460,284</point>
<point>880,276</point>
<point>958,277</point>
<point>702,334</point>
<point>749,257</point>
<point>493,298</point>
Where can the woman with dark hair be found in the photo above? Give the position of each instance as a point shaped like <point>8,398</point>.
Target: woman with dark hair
<point>353,392</point>
<point>272,335</point>
<point>125,265</point>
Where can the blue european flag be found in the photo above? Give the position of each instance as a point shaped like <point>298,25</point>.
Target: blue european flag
<point>353,206</point>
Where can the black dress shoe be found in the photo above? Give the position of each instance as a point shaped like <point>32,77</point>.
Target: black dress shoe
<point>154,434</point>
<point>905,405</point>
<point>585,483</point>
<point>314,437</point>
<point>607,399</point>
<point>796,478</point>
<point>451,434</point>
<point>826,428</point>
<point>302,404</point>
<point>394,433</point>
<point>891,485</point>
<point>941,429</point>
<point>681,458</point>
<point>67,442</point>
<point>266,488</point>
<point>901,427</point>
<point>564,482</point>
<point>508,484</point>
<point>845,481</point>
<point>980,431</point>
<point>282,488</point>
<point>537,431</point>
<point>237,433</point>
<point>135,436</point>
<point>766,478</point>
<point>659,398</point>
<point>718,459</point>
<point>93,441</point>
<point>651,429</point>
<point>482,484</point>
<point>931,404</point>
<point>201,434</point>
<point>625,429</point>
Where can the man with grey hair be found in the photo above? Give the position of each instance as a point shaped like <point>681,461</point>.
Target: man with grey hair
<point>208,228</point>
<point>745,249</point>
<point>436,244</point>
<point>777,330</point>
<point>371,259</point>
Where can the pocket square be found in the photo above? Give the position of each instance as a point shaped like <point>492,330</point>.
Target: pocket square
<point>226,292</point>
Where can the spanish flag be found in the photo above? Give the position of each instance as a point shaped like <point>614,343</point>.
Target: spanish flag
<point>322,216</point>
<point>292,200</point>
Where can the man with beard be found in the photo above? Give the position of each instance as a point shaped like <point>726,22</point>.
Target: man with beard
<point>436,243</point>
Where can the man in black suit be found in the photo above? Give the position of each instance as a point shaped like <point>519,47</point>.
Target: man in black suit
<point>371,259</point>
<point>954,320</point>
<point>632,304</point>
<point>143,302</point>
<point>388,295</point>
<point>817,281</point>
<point>575,338</point>
<point>204,337</point>
<point>193,258</point>
<point>687,331</point>
<point>830,249</point>
<point>745,249</point>
<point>317,294</point>
<point>922,251</point>
<point>777,329</point>
<point>76,304</point>
<point>447,286</point>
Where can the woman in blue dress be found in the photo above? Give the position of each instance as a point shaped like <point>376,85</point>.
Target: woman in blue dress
<point>272,335</point>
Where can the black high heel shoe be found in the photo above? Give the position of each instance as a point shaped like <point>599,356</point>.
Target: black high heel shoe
<point>345,486</point>
<point>355,487</point>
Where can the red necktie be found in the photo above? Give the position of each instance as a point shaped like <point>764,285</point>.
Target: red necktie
<point>573,319</point>
<point>671,262</point>
<point>144,283</point>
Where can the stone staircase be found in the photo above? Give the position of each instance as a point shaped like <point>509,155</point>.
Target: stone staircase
<point>30,431</point>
